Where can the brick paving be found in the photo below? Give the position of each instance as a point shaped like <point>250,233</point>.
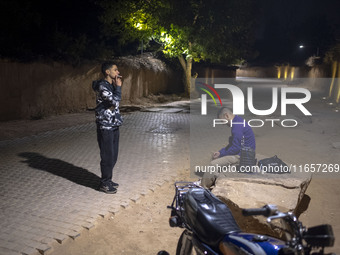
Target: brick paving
<point>48,181</point>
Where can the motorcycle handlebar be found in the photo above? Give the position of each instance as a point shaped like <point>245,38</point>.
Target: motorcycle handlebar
<point>266,211</point>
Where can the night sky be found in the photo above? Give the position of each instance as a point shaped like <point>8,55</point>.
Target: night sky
<point>286,24</point>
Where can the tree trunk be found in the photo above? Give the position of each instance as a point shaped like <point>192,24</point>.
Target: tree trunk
<point>187,66</point>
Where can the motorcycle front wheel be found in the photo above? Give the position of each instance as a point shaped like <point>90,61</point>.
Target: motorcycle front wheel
<point>184,245</point>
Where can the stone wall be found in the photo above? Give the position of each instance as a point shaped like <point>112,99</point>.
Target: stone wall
<point>317,79</point>
<point>319,71</point>
<point>257,71</point>
<point>34,90</point>
<point>212,72</point>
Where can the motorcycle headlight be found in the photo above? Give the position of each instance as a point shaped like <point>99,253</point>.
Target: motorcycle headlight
<point>320,236</point>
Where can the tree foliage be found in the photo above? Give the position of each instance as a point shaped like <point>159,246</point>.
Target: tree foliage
<point>212,30</point>
<point>217,30</point>
<point>220,31</point>
<point>72,30</point>
<point>128,22</point>
<point>190,30</point>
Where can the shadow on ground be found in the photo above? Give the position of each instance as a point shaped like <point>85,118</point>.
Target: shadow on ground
<point>303,205</point>
<point>61,168</point>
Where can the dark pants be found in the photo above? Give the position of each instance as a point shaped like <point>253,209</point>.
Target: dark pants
<point>108,141</point>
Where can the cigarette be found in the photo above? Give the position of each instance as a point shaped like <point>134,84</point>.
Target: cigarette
<point>119,76</point>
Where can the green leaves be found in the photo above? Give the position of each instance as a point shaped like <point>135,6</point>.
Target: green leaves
<point>215,30</point>
<point>173,40</point>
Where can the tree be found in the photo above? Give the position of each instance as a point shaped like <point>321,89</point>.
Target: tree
<point>190,30</point>
<point>129,21</point>
<point>215,30</point>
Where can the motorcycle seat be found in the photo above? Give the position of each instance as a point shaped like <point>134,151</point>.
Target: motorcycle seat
<point>208,217</point>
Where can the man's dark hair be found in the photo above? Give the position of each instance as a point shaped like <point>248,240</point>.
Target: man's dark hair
<point>107,65</point>
<point>223,111</point>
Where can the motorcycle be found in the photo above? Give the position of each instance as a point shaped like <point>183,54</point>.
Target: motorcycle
<point>210,228</point>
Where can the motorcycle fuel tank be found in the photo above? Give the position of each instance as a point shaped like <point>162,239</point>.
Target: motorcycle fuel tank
<point>242,243</point>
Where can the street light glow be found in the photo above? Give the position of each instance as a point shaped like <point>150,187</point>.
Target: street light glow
<point>301,46</point>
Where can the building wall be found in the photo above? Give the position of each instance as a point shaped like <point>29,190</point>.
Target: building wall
<point>319,71</point>
<point>317,79</point>
<point>34,90</point>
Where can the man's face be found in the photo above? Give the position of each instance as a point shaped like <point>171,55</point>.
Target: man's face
<point>112,72</point>
<point>228,117</point>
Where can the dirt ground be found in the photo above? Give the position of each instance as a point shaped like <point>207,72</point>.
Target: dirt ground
<point>150,231</point>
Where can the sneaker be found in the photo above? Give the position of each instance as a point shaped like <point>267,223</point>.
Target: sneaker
<point>115,185</point>
<point>108,188</point>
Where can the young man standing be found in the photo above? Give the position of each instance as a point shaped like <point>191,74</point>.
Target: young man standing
<point>108,119</point>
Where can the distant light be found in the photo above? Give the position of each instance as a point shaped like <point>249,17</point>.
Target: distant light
<point>330,103</point>
<point>301,46</point>
<point>279,72</point>
<point>292,73</point>
<point>324,98</point>
<point>286,72</point>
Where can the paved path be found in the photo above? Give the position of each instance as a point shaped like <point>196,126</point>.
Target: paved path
<point>48,182</point>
